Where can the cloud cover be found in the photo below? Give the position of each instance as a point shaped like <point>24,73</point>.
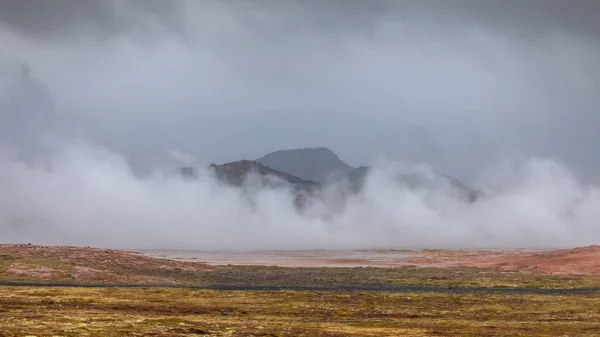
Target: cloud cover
<point>465,86</point>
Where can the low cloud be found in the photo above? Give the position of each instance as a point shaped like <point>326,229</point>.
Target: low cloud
<point>128,90</point>
<point>87,195</point>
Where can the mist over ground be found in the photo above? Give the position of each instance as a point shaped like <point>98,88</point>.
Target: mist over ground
<point>100,102</point>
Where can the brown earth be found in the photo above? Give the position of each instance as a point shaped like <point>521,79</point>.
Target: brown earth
<point>58,263</point>
<point>581,260</point>
<point>107,265</point>
<point>36,272</point>
<point>539,305</point>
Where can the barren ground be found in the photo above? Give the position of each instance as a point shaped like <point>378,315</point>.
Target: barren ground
<point>430,293</point>
<point>582,260</point>
<point>86,265</point>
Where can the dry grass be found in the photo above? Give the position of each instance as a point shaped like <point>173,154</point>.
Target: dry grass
<point>53,311</point>
<point>87,265</point>
<point>182,312</point>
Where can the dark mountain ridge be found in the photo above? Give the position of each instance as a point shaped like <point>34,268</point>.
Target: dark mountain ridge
<point>323,164</point>
<point>317,164</point>
<point>236,173</point>
<point>357,177</point>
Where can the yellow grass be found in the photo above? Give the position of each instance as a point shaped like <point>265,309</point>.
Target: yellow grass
<point>46,311</point>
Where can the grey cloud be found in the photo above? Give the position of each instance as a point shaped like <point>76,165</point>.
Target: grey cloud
<point>47,19</point>
<point>466,86</point>
<point>118,16</point>
<point>453,83</point>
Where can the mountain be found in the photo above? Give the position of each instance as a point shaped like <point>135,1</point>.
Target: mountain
<point>252,176</point>
<point>188,172</point>
<point>470,193</point>
<point>317,164</point>
<point>356,179</point>
<point>289,168</point>
<point>237,173</point>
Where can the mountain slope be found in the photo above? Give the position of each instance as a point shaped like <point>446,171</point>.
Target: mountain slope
<point>252,177</point>
<point>237,173</point>
<point>316,164</point>
<point>330,171</point>
<point>357,177</point>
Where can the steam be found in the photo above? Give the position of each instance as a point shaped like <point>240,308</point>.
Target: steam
<point>87,195</point>
<point>87,155</point>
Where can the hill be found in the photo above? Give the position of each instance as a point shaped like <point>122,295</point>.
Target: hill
<point>238,172</point>
<point>357,177</point>
<point>252,176</point>
<point>317,164</point>
<point>286,166</point>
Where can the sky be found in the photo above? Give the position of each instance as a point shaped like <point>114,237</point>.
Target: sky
<point>501,94</point>
<point>457,84</point>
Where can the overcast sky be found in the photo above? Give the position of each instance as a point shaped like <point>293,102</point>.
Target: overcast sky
<point>454,83</point>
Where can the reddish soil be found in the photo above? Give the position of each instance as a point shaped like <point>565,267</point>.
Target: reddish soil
<point>87,264</point>
<point>107,265</point>
<point>581,260</point>
<point>45,273</point>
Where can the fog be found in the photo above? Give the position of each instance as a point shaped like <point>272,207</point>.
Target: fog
<point>99,104</point>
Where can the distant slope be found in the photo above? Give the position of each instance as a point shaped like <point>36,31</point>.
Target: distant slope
<point>236,173</point>
<point>252,176</point>
<point>289,169</point>
<point>356,179</point>
<point>316,164</point>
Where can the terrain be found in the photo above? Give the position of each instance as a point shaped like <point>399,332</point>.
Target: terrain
<point>576,261</point>
<point>314,172</point>
<point>76,291</point>
<point>579,267</point>
<point>237,173</point>
<point>28,311</point>
<point>318,164</point>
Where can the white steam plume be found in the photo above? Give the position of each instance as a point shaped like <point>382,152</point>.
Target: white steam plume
<point>87,195</point>
<point>213,62</point>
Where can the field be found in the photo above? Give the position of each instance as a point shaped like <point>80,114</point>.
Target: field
<point>184,312</point>
<point>91,292</point>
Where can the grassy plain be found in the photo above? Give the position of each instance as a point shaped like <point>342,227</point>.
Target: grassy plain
<point>184,312</point>
<point>96,266</point>
<point>388,302</point>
